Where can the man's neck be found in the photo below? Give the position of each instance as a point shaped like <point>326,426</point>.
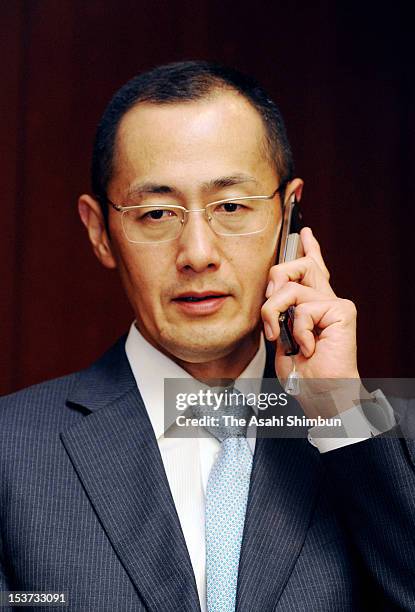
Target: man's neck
<point>224,368</point>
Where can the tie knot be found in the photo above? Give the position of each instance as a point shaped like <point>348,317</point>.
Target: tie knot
<point>228,413</point>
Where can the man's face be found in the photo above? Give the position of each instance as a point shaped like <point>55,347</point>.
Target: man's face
<point>191,154</point>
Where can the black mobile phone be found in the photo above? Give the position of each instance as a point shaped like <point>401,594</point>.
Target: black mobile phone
<point>289,248</point>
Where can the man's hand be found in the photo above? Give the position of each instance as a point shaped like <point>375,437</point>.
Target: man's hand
<point>324,324</point>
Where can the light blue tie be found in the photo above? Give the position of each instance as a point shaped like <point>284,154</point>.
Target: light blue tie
<point>226,499</point>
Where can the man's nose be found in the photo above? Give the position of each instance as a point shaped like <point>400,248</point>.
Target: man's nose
<point>198,244</point>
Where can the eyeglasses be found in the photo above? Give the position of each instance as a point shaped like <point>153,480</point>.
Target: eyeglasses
<point>154,223</point>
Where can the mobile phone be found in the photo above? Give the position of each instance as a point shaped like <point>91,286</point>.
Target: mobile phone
<point>289,248</point>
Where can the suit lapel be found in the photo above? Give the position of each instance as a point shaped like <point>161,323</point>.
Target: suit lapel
<point>282,491</point>
<point>116,456</point>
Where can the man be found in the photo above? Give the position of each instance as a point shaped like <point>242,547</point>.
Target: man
<point>97,501</point>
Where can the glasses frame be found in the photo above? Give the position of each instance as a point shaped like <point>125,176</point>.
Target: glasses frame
<point>122,209</point>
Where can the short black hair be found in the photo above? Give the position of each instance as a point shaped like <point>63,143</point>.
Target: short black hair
<point>185,82</point>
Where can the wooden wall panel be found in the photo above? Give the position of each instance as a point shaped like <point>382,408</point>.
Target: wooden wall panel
<point>11,147</point>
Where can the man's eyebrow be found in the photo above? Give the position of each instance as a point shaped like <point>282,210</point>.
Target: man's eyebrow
<point>150,187</point>
<point>211,185</point>
<point>228,181</point>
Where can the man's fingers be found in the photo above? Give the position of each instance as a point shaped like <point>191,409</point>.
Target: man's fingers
<point>292,294</point>
<point>304,270</point>
<point>312,310</point>
<point>312,249</point>
<point>312,316</point>
<point>305,320</point>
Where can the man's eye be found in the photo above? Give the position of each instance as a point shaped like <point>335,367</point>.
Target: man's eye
<point>229,207</point>
<point>156,214</point>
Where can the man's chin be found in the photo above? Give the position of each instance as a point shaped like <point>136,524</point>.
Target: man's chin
<point>199,353</point>
<point>207,345</point>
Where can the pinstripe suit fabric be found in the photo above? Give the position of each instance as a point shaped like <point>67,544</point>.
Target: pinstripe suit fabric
<point>85,507</point>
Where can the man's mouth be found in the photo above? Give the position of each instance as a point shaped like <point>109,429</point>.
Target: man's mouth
<point>202,303</point>
<point>199,298</point>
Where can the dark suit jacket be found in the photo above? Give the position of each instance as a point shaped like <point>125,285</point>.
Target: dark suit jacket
<point>85,507</point>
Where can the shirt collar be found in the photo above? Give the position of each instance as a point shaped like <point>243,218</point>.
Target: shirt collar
<point>150,367</point>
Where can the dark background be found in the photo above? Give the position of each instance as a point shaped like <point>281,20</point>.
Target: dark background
<point>342,74</point>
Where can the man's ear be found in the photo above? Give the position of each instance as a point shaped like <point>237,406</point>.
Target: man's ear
<point>294,187</point>
<point>93,219</point>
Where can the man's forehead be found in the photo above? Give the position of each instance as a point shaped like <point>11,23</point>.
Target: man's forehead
<point>218,141</point>
<point>222,110</point>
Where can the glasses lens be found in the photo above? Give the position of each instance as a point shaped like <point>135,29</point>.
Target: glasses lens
<point>240,216</point>
<point>152,223</point>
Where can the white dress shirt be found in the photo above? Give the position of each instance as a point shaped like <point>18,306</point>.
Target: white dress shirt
<point>188,461</point>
